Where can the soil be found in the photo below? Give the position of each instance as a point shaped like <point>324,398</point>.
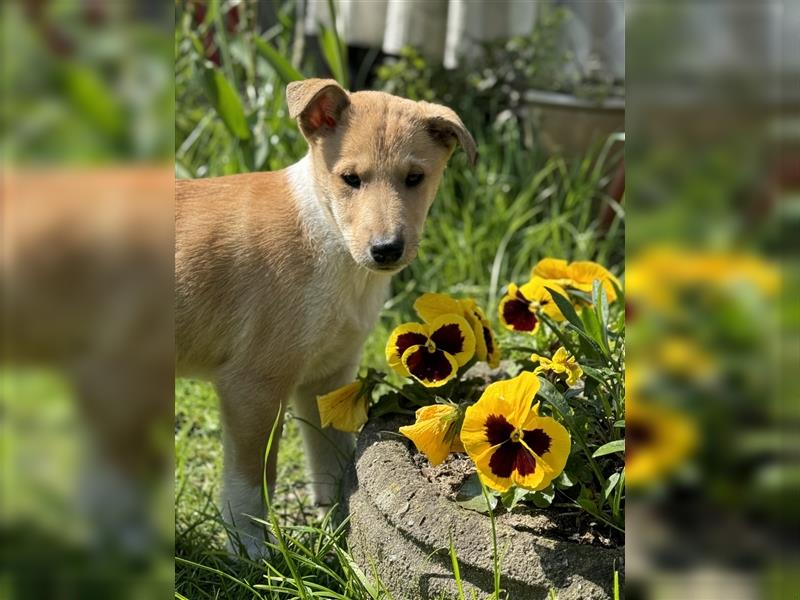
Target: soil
<point>571,526</point>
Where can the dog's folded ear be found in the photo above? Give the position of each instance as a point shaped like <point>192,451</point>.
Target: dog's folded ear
<point>445,127</point>
<point>317,104</point>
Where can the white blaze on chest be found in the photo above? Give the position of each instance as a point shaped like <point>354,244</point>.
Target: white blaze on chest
<point>341,300</point>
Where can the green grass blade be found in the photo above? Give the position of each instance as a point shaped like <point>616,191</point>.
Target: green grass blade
<point>610,448</point>
<point>226,102</point>
<point>332,52</point>
<point>283,68</point>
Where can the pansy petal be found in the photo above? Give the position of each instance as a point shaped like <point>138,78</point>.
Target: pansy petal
<point>529,472</point>
<point>431,369</point>
<point>519,392</point>
<point>404,337</point>
<point>453,335</point>
<point>492,348</point>
<point>515,315</point>
<point>584,273</point>
<point>550,442</point>
<point>472,313</point>
<point>430,305</point>
<point>344,408</point>
<point>431,430</point>
<point>482,424</point>
<point>551,268</point>
<point>487,475</point>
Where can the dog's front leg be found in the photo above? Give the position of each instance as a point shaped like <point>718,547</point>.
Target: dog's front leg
<point>250,407</point>
<point>328,451</point>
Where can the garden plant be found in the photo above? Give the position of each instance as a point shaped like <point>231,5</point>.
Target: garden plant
<point>488,227</point>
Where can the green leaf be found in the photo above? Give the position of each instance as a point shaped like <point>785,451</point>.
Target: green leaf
<point>597,374</point>
<point>470,496</point>
<point>212,9</point>
<point>611,482</point>
<point>226,102</point>
<point>610,448</point>
<point>512,497</point>
<point>562,337</point>
<point>592,324</point>
<point>619,424</point>
<point>563,481</point>
<point>544,498</point>
<point>566,308</point>
<point>93,97</point>
<point>600,301</point>
<point>332,52</point>
<point>585,501</point>
<point>620,291</point>
<point>548,391</point>
<point>277,61</point>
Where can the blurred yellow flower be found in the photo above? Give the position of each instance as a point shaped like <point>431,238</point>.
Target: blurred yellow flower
<point>562,363</point>
<point>430,306</point>
<point>655,277</point>
<point>657,441</point>
<point>517,309</point>
<point>431,352</point>
<point>344,408</point>
<point>579,275</point>
<point>435,432</point>
<point>509,442</point>
<point>682,356</point>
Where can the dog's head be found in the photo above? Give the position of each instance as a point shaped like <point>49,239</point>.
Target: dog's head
<point>377,162</point>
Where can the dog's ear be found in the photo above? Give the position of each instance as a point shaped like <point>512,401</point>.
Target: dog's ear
<point>445,127</point>
<point>317,104</point>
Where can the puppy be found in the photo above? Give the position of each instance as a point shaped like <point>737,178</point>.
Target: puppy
<point>280,276</point>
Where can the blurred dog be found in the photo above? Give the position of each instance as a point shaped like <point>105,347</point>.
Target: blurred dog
<point>280,276</point>
<point>86,282</point>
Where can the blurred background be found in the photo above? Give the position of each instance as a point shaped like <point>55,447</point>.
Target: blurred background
<point>86,230</point>
<point>713,167</point>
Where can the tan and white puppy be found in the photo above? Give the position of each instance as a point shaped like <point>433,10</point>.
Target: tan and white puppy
<point>280,276</point>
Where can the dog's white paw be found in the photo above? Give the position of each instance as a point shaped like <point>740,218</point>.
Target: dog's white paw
<point>249,545</point>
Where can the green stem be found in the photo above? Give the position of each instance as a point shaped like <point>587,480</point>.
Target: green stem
<point>495,554</point>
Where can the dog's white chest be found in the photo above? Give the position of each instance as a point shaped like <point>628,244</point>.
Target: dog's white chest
<point>343,305</point>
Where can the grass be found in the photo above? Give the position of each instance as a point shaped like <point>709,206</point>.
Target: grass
<point>487,227</point>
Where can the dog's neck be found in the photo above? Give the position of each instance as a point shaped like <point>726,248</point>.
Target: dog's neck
<point>317,221</point>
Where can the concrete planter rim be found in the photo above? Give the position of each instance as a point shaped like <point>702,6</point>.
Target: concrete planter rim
<point>385,478</point>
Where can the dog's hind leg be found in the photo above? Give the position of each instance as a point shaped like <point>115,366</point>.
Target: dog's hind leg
<point>250,405</point>
<point>328,451</point>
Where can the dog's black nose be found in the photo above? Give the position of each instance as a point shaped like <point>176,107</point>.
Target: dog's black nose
<point>386,252</point>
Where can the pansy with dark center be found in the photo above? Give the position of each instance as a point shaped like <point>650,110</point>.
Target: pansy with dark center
<point>431,352</point>
<point>658,440</point>
<point>430,305</point>
<point>518,308</point>
<point>508,440</point>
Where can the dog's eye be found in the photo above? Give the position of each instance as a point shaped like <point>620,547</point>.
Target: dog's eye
<point>351,179</point>
<point>414,179</point>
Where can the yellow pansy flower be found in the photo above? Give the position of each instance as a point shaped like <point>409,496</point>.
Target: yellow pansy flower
<point>657,441</point>
<point>430,306</point>
<point>509,442</point>
<point>579,275</point>
<point>435,432</point>
<point>562,363</point>
<point>517,309</point>
<point>431,352</point>
<point>344,408</point>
